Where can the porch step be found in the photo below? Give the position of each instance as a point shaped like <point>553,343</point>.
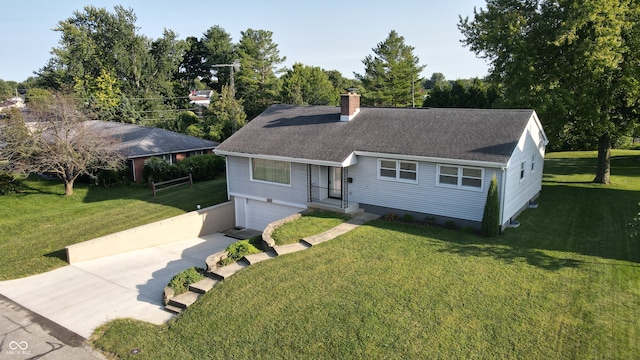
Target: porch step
<point>256,258</point>
<point>291,248</point>
<point>203,285</point>
<point>226,271</point>
<point>173,309</point>
<point>184,300</point>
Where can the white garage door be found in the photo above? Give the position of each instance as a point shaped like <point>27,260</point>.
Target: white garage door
<point>259,214</point>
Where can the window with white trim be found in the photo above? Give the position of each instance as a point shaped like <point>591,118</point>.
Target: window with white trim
<point>522,167</point>
<point>533,163</point>
<point>397,170</point>
<point>272,171</point>
<point>463,177</point>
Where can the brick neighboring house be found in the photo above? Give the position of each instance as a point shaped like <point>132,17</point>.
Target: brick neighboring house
<point>142,142</point>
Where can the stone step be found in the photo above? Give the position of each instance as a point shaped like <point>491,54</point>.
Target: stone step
<point>226,271</point>
<point>287,249</point>
<point>174,309</point>
<point>256,258</point>
<point>184,300</point>
<point>203,285</point>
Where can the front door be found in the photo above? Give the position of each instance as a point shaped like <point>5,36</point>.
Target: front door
<point>335,182</point>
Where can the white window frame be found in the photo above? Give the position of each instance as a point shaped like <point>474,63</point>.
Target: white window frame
<point>398,170</point>
<point>523,170</point>
<point>459,177</point>
<point>533,163</point>
<point>251,165</point>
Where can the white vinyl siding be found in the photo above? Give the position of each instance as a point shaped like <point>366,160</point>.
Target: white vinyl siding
<point>424,197</point>
<point>460,177</point>
<point>272,171</point>
<point>520,187</point>
<point>396,170</point>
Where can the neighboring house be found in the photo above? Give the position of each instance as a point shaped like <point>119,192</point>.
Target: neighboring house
<point>201,97</point>
<point>419,161</point>
<point>141,142</point>
<point>16,102</point>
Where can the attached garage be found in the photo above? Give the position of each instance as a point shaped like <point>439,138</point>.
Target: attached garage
<point>257,214</point>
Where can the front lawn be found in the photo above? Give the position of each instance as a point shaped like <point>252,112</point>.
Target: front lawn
<point>311,223</point>
<point>37,224</point>
<point>564,285</point>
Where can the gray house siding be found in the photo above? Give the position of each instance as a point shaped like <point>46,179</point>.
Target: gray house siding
<point>242,185</point>
<point>425,197</point>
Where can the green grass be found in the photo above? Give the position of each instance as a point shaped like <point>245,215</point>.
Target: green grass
<point>311,223</point>
<point>564,285</point>
<point>37,224</point>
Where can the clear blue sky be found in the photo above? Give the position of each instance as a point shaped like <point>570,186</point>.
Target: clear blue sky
<point>332,34</point>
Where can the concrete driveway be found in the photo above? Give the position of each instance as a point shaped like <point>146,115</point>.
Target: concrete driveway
<point>82,296</point>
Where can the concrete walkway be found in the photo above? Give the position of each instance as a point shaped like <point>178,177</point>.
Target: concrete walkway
<point>85,295</point>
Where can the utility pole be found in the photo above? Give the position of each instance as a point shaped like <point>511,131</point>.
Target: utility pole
<point>235,66</point>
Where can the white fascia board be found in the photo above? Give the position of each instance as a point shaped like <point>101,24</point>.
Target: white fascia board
<point>539,124</point>
<point>264,199</point>
<point>281,158</point>
<point>486,164</point>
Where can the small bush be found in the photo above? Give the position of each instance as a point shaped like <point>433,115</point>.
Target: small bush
<point>156,170</point>
<point>430,220</point>
<point>391,217</point>
<point>237,250</point>
<point>408,218</point>
<point>9,184</point>
<point>180,283</point>
<point>450,224</point>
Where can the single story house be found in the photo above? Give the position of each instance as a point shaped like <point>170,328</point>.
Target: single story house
<point>425,162</point>
<point>201,97</point>
<point>142,142</point>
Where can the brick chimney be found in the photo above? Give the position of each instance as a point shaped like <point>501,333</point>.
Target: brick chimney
<point>349,105</point>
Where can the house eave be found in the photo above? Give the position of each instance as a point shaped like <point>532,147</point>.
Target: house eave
<point>478,163</point>
<point>169,152</point>
<point>351,160</point>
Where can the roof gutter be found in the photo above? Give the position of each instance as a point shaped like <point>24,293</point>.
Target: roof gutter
<point>349,161</point>
<point>489,164</point>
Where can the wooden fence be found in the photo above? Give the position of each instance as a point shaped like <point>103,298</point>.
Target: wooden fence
<point>159,186</point>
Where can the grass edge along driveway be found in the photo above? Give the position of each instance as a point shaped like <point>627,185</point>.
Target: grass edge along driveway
<point>566,284</point>
<point>37,224</point>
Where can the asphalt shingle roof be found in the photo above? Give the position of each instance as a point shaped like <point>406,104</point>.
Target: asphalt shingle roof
<point>139,141</point>
<point>316,133</point>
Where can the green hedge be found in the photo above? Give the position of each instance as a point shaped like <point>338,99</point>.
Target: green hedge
<point>201,167</point>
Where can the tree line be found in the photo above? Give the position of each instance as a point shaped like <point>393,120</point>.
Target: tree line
<point>576,63</point>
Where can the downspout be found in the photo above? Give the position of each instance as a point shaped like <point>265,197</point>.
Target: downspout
<point>502,196</point>
<point>226,165</point>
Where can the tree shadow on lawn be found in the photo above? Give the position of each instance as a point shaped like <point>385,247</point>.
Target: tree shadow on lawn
<point>512,255</point>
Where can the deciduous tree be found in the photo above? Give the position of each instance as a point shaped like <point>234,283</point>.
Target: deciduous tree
<point>59,142</point>
<point>307,85</point>
<point>576,62</point>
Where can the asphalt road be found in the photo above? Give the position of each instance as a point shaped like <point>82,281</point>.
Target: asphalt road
<point>27,335</point>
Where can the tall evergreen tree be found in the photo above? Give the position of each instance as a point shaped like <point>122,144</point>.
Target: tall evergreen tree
<point>391,74</point>
<point>256,82</point>
<point>218,50</point>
